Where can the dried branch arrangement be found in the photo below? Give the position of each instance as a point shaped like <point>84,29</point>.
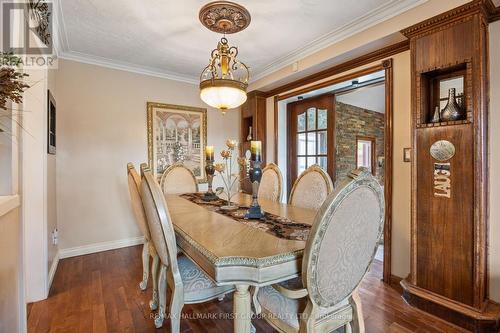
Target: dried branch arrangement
<point>12,83</point>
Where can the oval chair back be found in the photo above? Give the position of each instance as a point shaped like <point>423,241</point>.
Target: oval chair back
<point>343,239</point>
<point>134,185</point>
<point>178,179</point>
<point>271,184</point>
<point>160,223</point>
<point>311,188</point>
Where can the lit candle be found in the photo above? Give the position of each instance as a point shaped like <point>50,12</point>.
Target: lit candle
<point>256,150</point>
<point>209,153</point>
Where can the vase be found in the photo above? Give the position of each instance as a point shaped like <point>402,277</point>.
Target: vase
<point>249,136</point>
<point>452,111</point>
<point>435,117</point>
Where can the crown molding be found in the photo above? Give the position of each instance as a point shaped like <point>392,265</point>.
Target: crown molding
<point>63,51</point>
<point>374,17</point>
<point>370,19</point>
<point>452,16</point>
<point>124,66</point>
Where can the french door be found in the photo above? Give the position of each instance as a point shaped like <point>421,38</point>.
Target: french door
<point>311,135</point>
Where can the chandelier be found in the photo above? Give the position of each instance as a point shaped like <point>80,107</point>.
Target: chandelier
<point>224,82</point>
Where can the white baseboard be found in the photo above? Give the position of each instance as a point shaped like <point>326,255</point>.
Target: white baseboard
<point>99,247</point>
<point>53,269</point>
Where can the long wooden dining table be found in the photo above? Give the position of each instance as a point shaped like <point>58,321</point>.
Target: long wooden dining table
<point>235,253</point>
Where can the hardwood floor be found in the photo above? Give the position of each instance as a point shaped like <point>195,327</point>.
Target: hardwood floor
<point>100,293</point>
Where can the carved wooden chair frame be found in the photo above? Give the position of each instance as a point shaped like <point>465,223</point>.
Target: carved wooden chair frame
<point>170,273</point>
<point>310,320</point>
<point>173,167</point>
<point>148,249</point>
<point>276,169</point>
<point>312,168</point>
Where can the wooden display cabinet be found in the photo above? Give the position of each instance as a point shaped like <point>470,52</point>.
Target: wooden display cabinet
<point>449,275</point>
<point>253,114</point>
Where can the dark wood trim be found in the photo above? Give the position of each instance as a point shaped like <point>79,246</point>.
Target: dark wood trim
<point>452,16</point>
<point>458,293</point>
<point>460,314</point>
<point>333,81</point>
<point>387,66</point>
<point>388,144</point>
<point>373,161</point>
<point>276,129</point>
<point>395,282</point>
<point>328,101</point>
<point>348,65</point>
<point>492,11</point>
<point>495,16</point>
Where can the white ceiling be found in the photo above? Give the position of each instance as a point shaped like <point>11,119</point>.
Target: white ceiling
<point>369,98</point>
<point>165,38</point>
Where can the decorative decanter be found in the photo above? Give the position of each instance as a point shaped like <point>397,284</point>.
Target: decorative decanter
<point>452,111</point>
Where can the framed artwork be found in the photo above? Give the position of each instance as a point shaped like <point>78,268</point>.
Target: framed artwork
<point>177,134</point>
<point>51,124</point>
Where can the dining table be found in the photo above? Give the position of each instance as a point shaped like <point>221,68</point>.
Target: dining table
<point>239,252</point>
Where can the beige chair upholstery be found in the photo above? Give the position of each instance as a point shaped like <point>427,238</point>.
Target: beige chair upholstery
<point>148,249</point>
<point>271,183</point>
<point>177,179</point>
<point>339,251</point>
<point>311,188</point>
<point>188,283</point>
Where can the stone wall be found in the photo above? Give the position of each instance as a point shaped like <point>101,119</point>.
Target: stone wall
<point>350,122</point>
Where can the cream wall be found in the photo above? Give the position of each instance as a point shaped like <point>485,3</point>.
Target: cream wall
<point>401,194</point>
<point>11,277</point>
<point>51,186</point>
<point>34,183</point>
<point>102,126</point>
<point>494,141</point>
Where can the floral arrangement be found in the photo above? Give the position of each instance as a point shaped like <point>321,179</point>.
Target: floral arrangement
<point>229,172</point>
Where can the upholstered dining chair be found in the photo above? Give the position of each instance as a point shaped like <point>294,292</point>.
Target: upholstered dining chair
<point>188,283</point>
<point>311,188</point>
<point>340,247</point>
<point>178,179</point>
<point>148,249</point>
<point>271,183</point>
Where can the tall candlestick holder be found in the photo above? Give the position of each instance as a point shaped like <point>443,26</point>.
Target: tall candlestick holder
<point>210,170</point>
<point>255,212</point>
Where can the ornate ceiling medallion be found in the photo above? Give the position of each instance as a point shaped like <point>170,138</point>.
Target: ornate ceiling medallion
<point>224,17</point>
<point>224,82</point>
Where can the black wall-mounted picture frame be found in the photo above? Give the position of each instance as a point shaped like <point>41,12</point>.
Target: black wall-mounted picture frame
<point>51,124</point>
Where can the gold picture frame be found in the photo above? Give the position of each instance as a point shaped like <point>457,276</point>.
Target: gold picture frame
<point>183,138</point>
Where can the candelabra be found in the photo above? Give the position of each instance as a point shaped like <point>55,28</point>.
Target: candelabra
<point>210,170</point>
<point>255,212</point>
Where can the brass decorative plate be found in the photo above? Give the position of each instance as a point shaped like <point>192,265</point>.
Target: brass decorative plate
<point>442,150</point>
<point>224,17</point>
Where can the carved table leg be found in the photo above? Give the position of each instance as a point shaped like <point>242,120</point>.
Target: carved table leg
<point>242,309</point>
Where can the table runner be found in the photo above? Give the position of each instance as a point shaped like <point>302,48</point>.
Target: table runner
<point>275,225</point>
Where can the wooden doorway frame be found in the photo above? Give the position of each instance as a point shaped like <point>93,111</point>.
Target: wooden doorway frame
<point>386,66</point>
<point>331,170</point>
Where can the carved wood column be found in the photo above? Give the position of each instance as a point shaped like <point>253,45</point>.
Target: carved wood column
<point>449,169</point>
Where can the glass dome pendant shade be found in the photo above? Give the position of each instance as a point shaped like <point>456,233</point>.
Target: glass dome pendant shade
<point>223,83</point>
